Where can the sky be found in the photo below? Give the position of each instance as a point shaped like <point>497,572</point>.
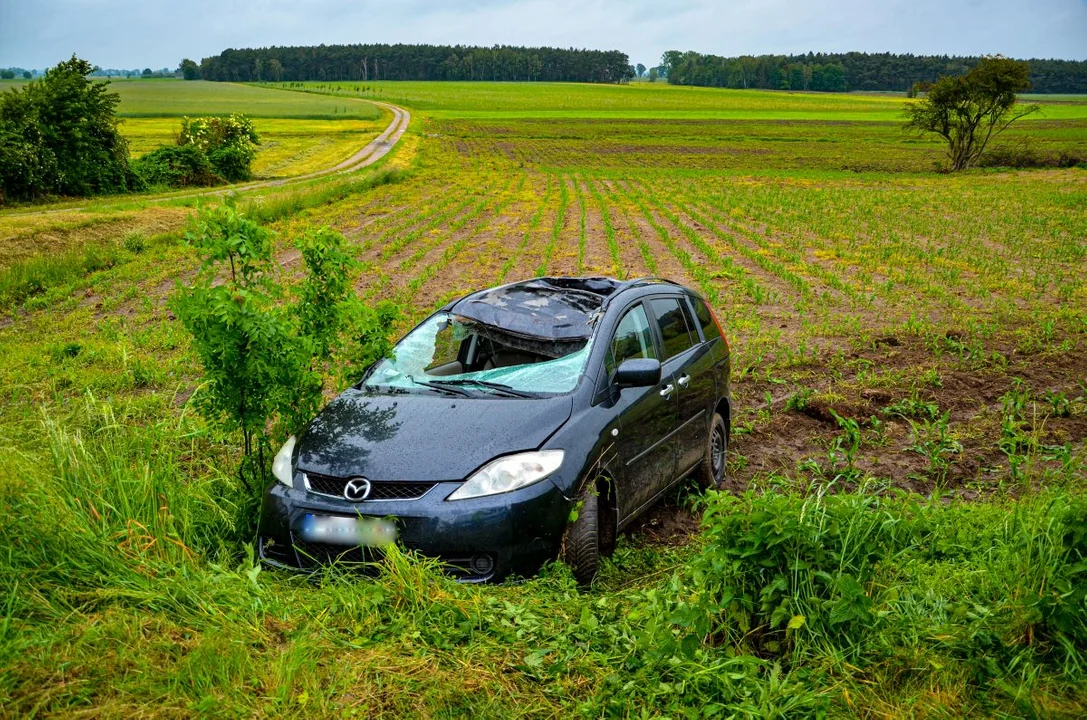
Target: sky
<point>152,33</point>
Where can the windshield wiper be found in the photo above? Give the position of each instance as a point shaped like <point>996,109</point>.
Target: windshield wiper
<point>440,387</point>
<point>484,383</point>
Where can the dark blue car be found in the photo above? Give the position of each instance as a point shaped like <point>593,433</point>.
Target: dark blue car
<point>500,415</point>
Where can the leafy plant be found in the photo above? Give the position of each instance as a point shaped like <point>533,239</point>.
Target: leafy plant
<point>845,447</point>
<point>176,166</point>
<point>261,357</point>
<point>933,439</point>
<point>229,142</point>
<point>914,407</point>
<point>58,135</point>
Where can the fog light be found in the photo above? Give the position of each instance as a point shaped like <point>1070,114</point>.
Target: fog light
<point>482,564</point>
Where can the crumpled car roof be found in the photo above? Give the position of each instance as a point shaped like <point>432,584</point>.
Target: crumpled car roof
<point>548,308</point>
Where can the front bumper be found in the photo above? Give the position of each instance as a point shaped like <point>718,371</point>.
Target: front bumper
<point>512,533</point>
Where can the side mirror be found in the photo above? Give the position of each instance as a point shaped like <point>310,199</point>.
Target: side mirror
<point>638,372</point>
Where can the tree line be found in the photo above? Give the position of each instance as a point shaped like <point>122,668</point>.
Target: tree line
<point>843,72</point>
<point>415,62</point>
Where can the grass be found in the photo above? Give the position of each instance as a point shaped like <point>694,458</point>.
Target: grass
<point>175,98</point>
<point>643,101</point>
<point>288,147</point>
<point>909,449</point>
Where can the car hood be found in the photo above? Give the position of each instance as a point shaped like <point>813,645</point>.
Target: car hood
<point>423,437</point>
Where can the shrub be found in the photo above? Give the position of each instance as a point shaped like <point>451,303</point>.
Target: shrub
<point>58,135</point>
<point>1025,155</point>
<point>229,142</point>
<point>232,162</point>
<point>176,166</point>
<point>264,360</point>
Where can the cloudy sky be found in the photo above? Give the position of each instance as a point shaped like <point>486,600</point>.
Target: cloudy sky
<point>155,33</point>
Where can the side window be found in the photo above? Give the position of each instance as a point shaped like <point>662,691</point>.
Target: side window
<point>632,339</point>
<point>705,319</point>
<point>675,332</point>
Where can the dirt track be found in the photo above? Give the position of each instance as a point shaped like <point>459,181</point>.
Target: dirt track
<point>369,154</point>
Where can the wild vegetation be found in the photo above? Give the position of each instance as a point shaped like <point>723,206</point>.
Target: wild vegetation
<point>299,134</point>
<point>58,135</point>
<point>969,110</point>
<point>905,532</point>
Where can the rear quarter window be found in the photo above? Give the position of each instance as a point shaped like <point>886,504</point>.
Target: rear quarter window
<point>705,319</point>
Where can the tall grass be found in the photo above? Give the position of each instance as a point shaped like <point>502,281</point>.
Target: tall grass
<point>129,536</point>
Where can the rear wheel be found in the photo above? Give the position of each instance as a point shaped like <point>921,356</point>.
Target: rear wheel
<point>713,473</point>
<point>581,546</point>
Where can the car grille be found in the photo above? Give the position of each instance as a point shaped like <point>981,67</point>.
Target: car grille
<point>333,487</point>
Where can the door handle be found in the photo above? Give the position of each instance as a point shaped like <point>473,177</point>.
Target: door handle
<point>684,380</point>
<point>667,390</point>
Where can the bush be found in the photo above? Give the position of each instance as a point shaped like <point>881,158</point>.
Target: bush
<point>1025,155</point>
<point>176,166</point>
<point>232,162</point>
<point>858,577</point>
<point>229,143</point>
<point>58,135</point>
<point>265,362</point>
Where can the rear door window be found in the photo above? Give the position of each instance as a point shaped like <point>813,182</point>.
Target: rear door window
<point>632,339</point>
<point>676,331</point>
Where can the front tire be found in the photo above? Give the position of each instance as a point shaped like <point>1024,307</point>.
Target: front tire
<point>581,546</point>
<point>714,473</point>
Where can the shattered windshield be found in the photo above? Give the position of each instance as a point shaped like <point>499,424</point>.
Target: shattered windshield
<point>456,355</point>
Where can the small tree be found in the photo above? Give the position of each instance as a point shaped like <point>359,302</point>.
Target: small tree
<point>967,111</point>
<point>265,361</point>
<point>189,69</point>
<point>641,70</point>
<point>58,135</point>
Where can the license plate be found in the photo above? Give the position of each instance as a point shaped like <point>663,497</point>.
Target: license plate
<point>336,530</point>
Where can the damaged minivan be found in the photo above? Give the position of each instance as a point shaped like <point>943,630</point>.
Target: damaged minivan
<point>514,426</point>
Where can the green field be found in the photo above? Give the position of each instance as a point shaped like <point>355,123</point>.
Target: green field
<point>906,527</point>
<point>302,133</point>
<point>637,100</point>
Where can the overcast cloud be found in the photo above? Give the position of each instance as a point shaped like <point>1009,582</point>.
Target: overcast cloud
<point>150,33</point>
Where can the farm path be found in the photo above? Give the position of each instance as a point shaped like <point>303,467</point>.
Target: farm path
<point>367,155</point>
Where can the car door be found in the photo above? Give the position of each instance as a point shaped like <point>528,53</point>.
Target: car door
<point>689,361</point>
<point>645,443</point>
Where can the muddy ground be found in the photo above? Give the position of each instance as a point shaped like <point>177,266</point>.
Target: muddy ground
<point>913,400</point>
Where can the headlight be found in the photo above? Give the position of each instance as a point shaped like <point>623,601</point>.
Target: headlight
<point>509,473</point>
<point>281,466</point>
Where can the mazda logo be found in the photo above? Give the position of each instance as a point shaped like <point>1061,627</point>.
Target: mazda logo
<point>356,489</point>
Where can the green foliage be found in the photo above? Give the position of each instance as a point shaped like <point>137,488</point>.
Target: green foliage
<point>243,338</point>
<point>967,111</point>
<point>263,360</point>
<point>7,74</point>
<point>804,577</point>
<point>229,142</point>
<point>189,69</point>
<point>176,166</point>
<point>58,135</point>
<point>374,62</point>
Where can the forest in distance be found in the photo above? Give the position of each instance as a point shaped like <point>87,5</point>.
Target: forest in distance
<point>830,72</point>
